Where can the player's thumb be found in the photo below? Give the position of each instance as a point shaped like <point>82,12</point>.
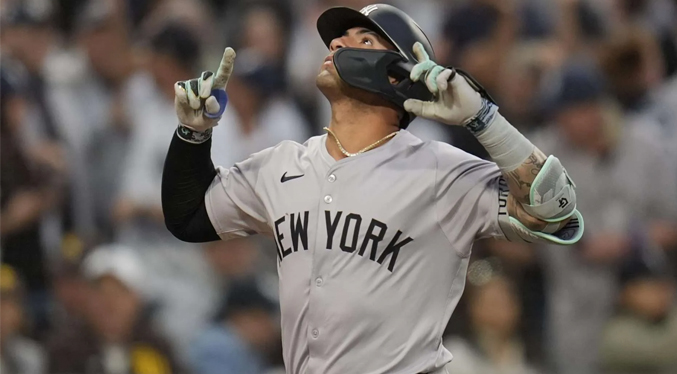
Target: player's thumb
<point>418,107</point>
<point>212,105</point>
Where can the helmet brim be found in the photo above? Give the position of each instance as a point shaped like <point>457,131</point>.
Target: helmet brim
<point>334,23</point>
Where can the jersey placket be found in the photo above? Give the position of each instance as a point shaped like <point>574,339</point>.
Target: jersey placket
<point>316,330</point>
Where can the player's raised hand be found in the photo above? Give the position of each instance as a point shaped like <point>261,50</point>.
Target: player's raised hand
<point>200,102</point>
<point>455,102</point>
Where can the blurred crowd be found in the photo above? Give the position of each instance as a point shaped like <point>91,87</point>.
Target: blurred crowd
<point>93,283</point>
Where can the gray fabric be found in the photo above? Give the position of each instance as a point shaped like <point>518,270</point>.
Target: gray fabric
<point>355,299</point>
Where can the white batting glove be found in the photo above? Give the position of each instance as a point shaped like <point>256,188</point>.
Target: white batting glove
<point>194,100</point>
<point>455,103</point>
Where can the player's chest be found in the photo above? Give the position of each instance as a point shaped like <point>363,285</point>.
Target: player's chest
<point>368,191</point>
<point>373,212</point>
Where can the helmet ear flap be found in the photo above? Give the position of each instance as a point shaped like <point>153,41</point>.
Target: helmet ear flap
<point>367,69</point>
<point>371,70</point>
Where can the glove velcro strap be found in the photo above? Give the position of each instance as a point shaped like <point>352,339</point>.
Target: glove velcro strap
<point>483,118</point>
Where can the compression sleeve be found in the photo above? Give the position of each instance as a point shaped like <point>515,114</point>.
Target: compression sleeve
<point>188,172</point>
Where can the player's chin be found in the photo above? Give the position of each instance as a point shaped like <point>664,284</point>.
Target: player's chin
<point>327,78</point>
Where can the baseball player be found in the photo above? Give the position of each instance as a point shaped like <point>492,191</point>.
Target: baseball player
<point>373,226</point>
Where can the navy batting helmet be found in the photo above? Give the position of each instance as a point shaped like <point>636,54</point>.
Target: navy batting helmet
<point>370,69</point>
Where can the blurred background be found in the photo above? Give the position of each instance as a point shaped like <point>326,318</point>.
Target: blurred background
<point>91,281</point>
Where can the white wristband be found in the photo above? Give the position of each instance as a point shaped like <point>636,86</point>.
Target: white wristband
<point>507,147</point>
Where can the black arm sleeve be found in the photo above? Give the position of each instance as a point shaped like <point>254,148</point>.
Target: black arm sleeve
<point>188,172</point>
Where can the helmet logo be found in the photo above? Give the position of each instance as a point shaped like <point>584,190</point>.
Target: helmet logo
<point>368,9</point>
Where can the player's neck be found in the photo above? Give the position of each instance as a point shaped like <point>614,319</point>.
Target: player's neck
<point>357,126</point>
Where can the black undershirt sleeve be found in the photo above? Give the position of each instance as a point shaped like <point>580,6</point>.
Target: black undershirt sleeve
<point>188,172</point>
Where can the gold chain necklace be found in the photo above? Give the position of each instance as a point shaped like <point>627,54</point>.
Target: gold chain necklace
<point>367,148</point>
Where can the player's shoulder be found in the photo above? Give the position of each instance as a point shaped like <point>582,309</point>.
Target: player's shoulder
<point>281,153</point>
<point>443,153</point>
<point>279,156</point>
<point>289,147</point>
<point>437,155</point>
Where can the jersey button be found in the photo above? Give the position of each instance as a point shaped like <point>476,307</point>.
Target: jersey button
<point>318,281</point>
<point>315,333</point>
<point>331,178</point>
<point>328,199</point>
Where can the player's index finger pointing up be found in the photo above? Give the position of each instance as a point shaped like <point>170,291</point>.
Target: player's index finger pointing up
<point>225,69</point>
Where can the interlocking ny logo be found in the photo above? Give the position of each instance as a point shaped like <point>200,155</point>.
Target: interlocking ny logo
<point>563,202</point>
<point>368,9</point>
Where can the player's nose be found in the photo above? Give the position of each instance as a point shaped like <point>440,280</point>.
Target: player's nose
<point>336,44</point>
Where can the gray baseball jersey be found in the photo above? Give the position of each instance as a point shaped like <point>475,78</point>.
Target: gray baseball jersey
<point>372,249</point>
